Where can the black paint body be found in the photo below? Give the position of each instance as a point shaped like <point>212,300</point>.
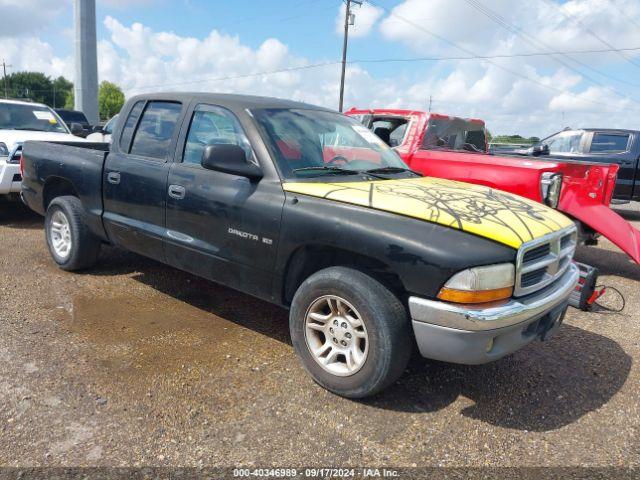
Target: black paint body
<point>628,181</point>
<point>248,234</point>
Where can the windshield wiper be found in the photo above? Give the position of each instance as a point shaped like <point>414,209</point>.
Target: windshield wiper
<point>393,170</point>
<point>30,129</point>
<point>341,171</point>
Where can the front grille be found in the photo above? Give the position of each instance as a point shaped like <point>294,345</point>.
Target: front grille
<point>542,261</point>
<point>566,240</point>
<point>15,154</point>
<point>532,278</point>
<point>536,253</point>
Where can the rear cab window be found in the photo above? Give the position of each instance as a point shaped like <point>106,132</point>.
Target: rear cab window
<point>456,134</point>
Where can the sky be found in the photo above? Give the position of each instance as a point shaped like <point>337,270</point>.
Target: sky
<point>402,54</point>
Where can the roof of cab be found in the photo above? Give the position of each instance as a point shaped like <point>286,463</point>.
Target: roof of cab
<point>228,99</point>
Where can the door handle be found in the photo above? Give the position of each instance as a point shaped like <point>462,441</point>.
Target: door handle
<point>113,177</point>
<point>177,192</point>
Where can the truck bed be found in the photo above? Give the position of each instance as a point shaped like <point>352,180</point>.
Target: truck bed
<point>49,166</point>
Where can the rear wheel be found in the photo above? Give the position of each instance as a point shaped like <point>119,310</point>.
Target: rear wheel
<point>351,332</point>
<point>70,242</point>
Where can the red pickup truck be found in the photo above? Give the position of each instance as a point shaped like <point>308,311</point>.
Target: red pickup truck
<point>456,148</point>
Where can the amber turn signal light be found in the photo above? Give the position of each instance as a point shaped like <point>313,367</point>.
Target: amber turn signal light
<point>478,296</point>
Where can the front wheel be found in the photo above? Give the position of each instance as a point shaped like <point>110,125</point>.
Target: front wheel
<point>351,332</point>
<point>71,243</point>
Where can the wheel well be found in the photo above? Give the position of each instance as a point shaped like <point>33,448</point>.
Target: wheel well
<point>56,187</point>
<point>308,260</point>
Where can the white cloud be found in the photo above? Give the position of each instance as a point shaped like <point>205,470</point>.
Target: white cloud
<point>532,94</point>
<point>35,55</point>
<point>142,60</point>
<point>544,95</point>
<point>26,17</point>
<point>366,16</point>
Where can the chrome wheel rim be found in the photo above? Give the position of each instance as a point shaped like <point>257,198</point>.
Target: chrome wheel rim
<point>336,335</point>
<point>60,234</point>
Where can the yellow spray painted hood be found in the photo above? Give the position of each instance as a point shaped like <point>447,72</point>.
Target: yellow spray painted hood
<point>483,211</point>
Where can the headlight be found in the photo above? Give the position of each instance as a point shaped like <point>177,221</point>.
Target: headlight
<point>551,184</point>
<point>4,151</point>
<point>480,284</point>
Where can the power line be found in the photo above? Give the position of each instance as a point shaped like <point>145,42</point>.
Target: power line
<point>383,60</point>
<point>590,32</point>
<point>539,44</point>
<point>236,77</point>
<point>623,13</point>
<point>496,56</point>
<point>470,52</point>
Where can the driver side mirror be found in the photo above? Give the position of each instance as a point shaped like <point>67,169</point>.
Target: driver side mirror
<point>76,129</point>
<point>229,158</point>
<point>540,149</point>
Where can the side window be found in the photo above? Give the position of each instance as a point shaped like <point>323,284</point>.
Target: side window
<point>609,143</point>
<point>211,126</point>
<point>397,135</point>
<point>155,130</point>
<point>127,131</point>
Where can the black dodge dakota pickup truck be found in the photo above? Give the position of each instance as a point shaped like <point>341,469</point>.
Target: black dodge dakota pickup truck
<point>305,208</point>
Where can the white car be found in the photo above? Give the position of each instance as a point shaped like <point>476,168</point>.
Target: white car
<point>19,122</point>
<point>103,135</point>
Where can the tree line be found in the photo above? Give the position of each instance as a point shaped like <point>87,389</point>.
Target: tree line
<point>518,139</point>
<point>58,92</point>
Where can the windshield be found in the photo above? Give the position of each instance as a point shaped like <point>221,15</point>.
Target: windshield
<point>454,134</point>
<point>312,143</point>
<point>108,128</point>
<point>15,116</point>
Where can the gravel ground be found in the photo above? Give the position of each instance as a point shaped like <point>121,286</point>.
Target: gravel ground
<point>134,363</point>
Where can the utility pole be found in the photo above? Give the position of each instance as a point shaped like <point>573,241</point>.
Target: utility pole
<point>86,81</point>
<point>6,85</point>
<point>430,102</point>
<point>348,19</point>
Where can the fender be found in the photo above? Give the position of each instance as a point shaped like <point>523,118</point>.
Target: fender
<point>588,208</point>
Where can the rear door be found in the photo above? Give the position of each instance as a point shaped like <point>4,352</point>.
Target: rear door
<point>614,147</point>
<point>135,178</point>
<point>221,226</point>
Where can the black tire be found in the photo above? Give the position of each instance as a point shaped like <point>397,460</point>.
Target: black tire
<point>85,246</point>
<point>386,322</point>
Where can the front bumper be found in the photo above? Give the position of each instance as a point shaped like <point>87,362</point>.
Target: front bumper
<point>461,334</point>
<point>10,180</point>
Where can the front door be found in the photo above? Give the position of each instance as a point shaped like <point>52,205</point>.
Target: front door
<point>615,147</point>
<point>135,178</point>
<point>221,226</point>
